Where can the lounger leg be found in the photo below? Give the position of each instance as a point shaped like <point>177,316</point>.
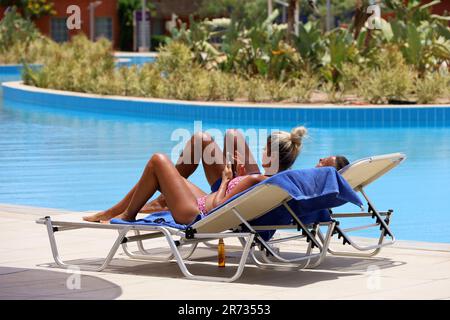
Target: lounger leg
<point>268,264</point>
<point>373,249</point>
<point>61,263</point>
<point>146,255</point>
<point>325,243</point>
<point>285,263</point>
<point>309,257</point>
<point>179,259</point>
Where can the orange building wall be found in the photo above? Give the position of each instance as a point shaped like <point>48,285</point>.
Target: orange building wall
<point>108,8</point>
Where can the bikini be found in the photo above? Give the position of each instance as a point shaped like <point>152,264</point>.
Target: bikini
<point>201,202</point>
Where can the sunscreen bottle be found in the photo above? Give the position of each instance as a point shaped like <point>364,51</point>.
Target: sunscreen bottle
<point>221,253</point>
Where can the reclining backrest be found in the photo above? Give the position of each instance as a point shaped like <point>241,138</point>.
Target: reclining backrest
<point>251,205</point>
<point>362,172</point>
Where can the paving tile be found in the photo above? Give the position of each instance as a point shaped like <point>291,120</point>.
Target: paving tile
<point>406,270</point>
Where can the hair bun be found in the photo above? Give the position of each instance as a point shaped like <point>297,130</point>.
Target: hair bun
<point>297,134</point>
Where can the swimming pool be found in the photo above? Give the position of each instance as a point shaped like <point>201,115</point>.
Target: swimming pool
<point>86,161</point>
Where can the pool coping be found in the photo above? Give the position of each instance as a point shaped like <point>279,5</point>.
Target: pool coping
<point>236,113</point>
<point>20,86</point>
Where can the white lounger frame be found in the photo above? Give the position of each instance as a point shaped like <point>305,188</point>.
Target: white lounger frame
<point>359,174</point>
<point>256,202</point>
<point>236,214</point>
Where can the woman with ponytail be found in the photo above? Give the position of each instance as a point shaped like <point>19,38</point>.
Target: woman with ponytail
<point>185,200</point>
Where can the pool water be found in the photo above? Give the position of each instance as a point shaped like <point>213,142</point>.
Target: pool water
<point>86,161</point>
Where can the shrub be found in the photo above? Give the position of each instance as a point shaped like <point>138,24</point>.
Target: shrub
<point>334,91</point>
<point>152,84</point>
<point>277,90</point>
<point>213,85</point>
<point>174,57</point>
<point>303,88</point>
<point>232,86</point>
<point>256,89</point>
<point>20,41</point>
<point>392,81</point>
<point>75,66</point>
<point>430,88</point>
<point>14,29</point>
<point>190,85</point>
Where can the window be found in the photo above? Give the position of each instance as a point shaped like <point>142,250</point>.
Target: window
<point>103,28</point>
<point>58,29</point>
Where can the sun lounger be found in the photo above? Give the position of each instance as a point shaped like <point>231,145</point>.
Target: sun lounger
<point>295,197</point>
<point>359,174</point>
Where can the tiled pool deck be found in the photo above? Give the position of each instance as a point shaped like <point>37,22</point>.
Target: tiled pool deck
<point>406,270</point>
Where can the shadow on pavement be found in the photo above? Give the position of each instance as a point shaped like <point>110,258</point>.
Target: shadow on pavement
<point>331,268</point>
<point>21,283</point>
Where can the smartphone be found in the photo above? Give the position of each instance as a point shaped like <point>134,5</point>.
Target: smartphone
<point>230,163</point>
<point>229,159</point>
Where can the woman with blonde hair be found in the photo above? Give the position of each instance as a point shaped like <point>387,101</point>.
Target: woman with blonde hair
<point>184,199</point>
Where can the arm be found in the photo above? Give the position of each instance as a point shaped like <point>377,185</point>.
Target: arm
<point>220,194</point>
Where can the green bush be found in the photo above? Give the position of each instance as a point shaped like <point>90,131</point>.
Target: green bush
<point>430,88</point>
<point>20,41</point>
<point>175,57</point>
<point>152,84</point>
<point>232,86</point>
<point>75,66</point>
<point>303,88</point>
<point>392,81</point>
<point>256,89</point>
<point>277,90</point>
<point>191,85</point>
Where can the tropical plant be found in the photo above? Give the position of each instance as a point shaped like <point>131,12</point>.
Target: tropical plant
<point>199,38</point>
<point>311,45</point>
<point>248,12</point>
<point>340,49</point>
<point>31,9</point>
<point>259,50</point>
<point>20,41</point>
<point>15,29</point>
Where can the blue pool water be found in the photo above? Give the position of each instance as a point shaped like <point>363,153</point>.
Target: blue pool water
<point>86,161</point>
<point>130,60</point>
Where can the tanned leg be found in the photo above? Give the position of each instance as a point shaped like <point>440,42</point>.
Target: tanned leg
<point>157,205</point>
<point>160,174</point>
<point>202,147</point>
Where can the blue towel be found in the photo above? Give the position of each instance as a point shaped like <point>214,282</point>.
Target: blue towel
<point>313,192</point>
<point>163,218</point>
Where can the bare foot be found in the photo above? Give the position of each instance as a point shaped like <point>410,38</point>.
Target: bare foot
<point>100,217</point>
